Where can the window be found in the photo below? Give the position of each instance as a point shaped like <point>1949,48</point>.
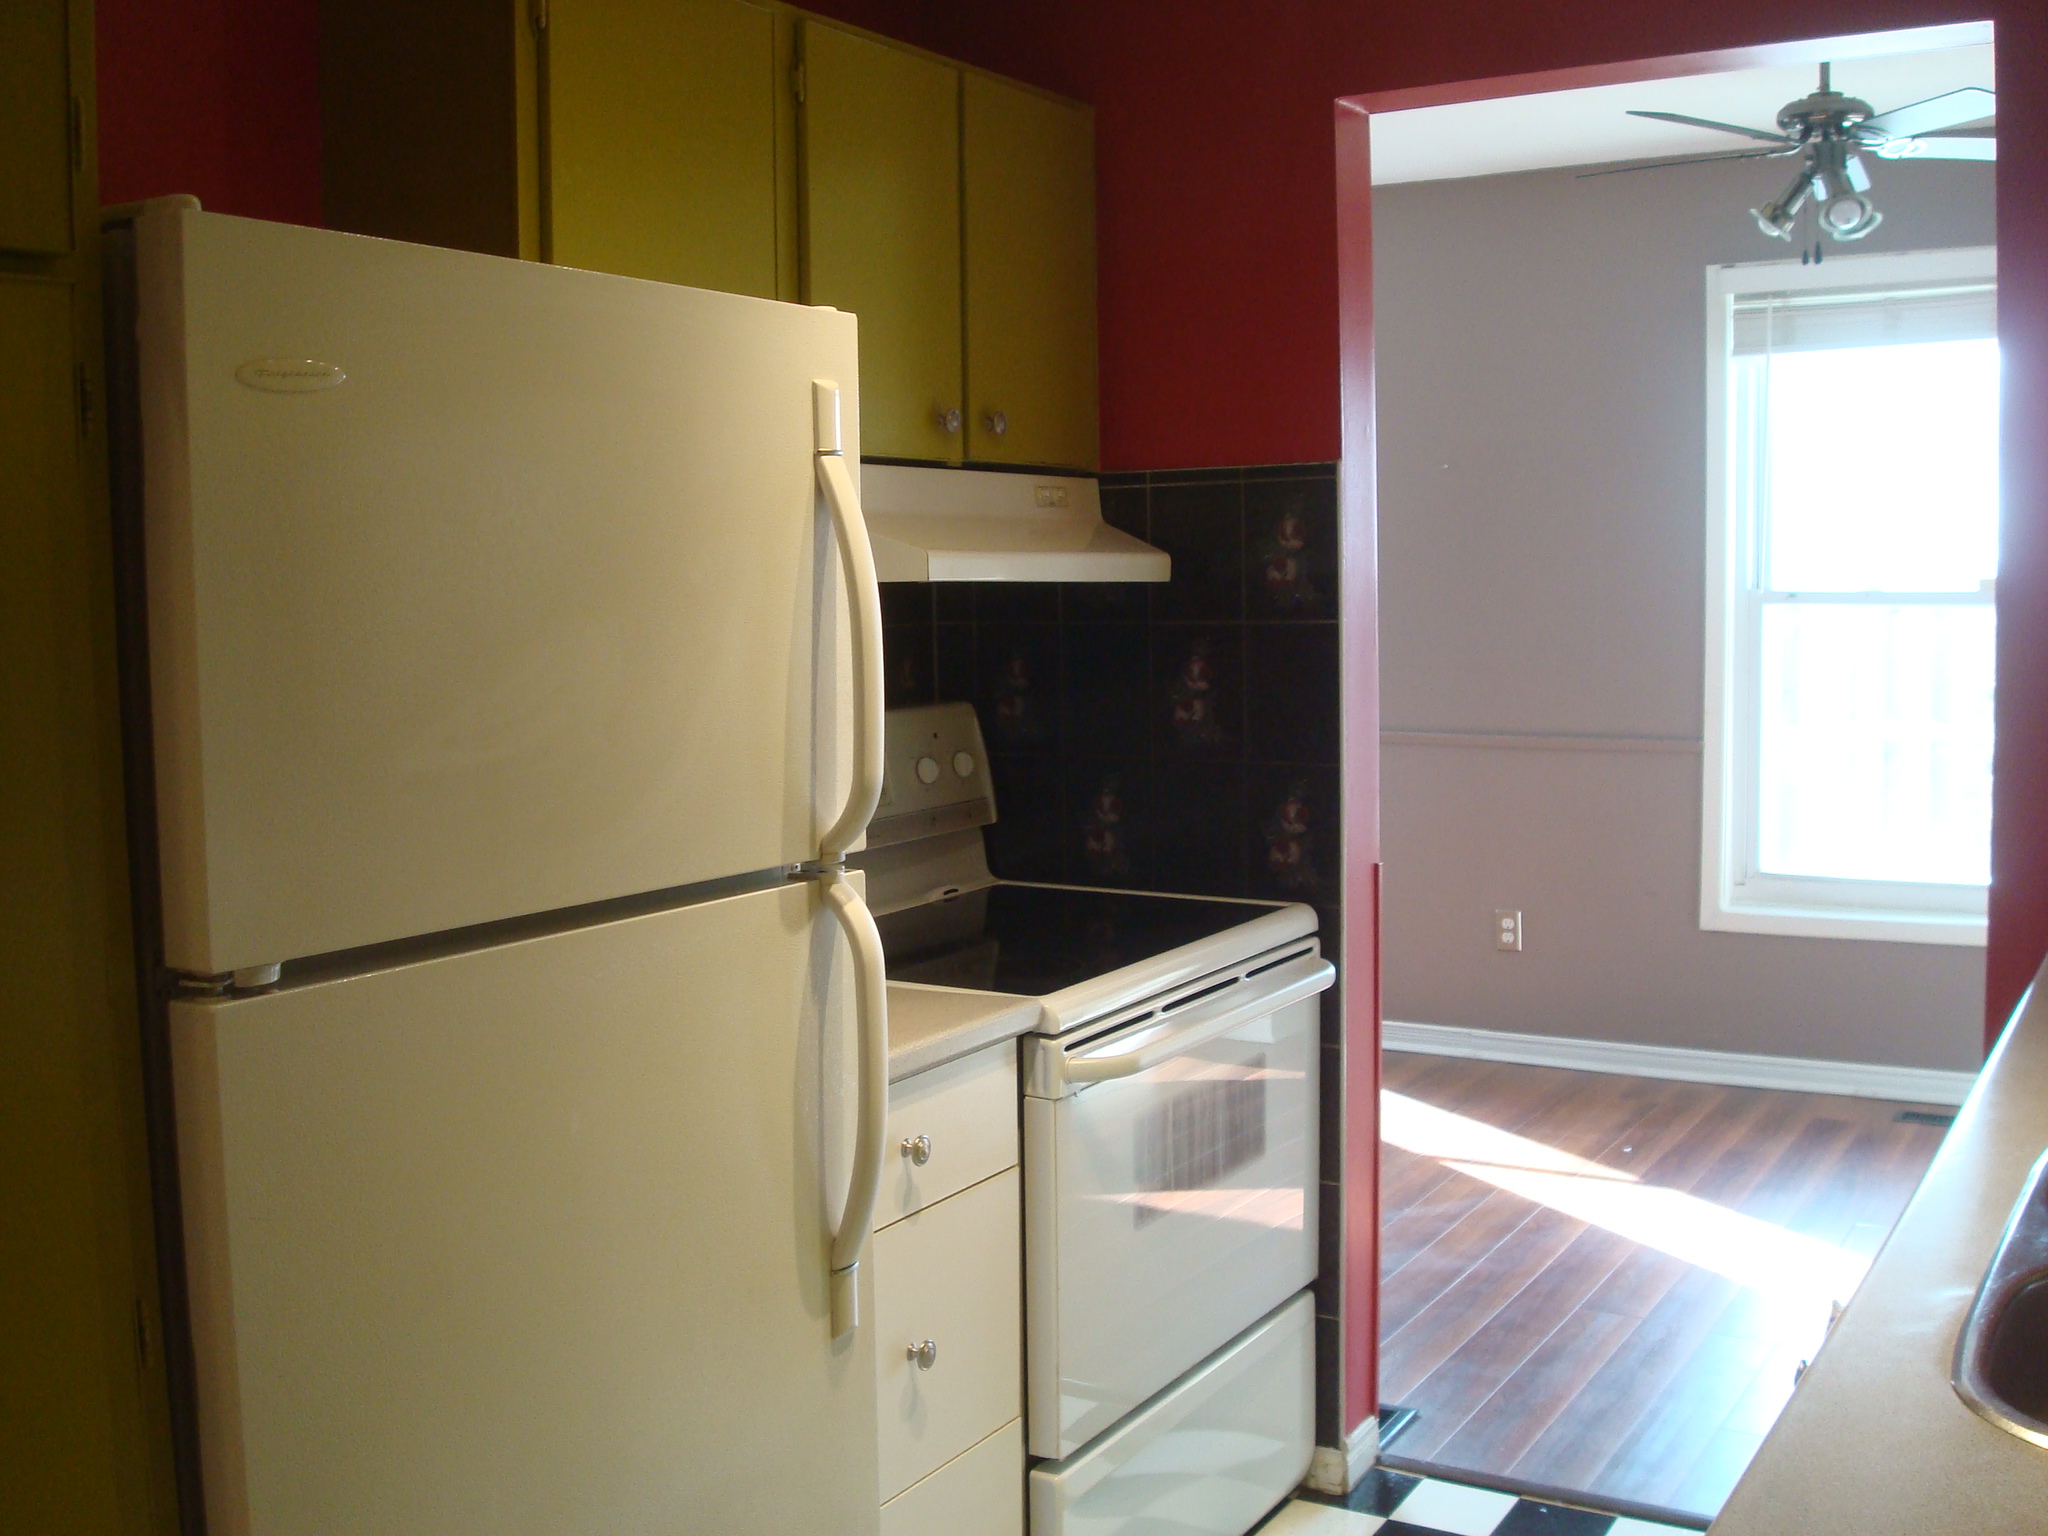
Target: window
<point>1852,551</point>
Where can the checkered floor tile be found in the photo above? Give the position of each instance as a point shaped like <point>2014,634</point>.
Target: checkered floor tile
<point>1395,1504</point>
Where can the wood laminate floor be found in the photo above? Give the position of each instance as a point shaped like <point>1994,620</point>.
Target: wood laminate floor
<point>1604,1284</point>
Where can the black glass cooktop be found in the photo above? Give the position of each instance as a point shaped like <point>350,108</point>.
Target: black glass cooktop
<point>1034,939</point>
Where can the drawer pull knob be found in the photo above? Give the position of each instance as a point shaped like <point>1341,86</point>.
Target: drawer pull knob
<point>926,1354</point>
<point>919,1150</point>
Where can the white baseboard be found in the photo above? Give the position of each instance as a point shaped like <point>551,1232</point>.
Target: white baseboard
<point>1863,1080</point>
<point>1338,1470</point>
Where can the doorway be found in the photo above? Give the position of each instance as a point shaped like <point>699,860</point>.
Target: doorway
<point>1544,757</point>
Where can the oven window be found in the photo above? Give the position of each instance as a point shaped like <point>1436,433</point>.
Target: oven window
<point>1198,1134</point>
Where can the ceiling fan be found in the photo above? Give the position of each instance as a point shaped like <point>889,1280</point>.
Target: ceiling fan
<point>1829,131</point>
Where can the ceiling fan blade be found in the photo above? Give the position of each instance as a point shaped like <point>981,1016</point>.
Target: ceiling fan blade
<point>1957,148</point>
<point>1702,122</point>
<point>1658,165</point>
<point>1964,106</point>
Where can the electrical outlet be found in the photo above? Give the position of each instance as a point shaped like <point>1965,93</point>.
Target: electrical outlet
<point>1507,929</point>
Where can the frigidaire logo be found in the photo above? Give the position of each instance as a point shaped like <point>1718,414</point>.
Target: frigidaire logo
<point>289,375</point>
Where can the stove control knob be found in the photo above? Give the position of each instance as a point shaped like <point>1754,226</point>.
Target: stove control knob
<point>927,770</point>
<point>963,764</point>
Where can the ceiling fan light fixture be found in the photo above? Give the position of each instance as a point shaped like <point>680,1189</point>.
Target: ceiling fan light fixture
<point>1849,216</point>
<point>1777,217</point>
<point>1829,131</point>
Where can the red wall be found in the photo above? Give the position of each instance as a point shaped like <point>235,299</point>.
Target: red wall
<point>220,98</point>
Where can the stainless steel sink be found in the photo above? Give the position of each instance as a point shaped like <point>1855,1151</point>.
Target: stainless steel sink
<point>2001,1367</point>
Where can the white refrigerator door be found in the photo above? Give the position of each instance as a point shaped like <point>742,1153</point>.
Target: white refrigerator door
<point>531,1240</point>
<point>477,588</point>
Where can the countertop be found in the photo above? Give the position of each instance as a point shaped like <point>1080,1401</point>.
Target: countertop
<point>930,1026</point>
<point>1875,1441</point>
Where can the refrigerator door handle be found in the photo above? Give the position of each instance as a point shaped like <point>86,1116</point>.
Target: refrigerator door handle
<point>871,1013</point>
<point>835,480</point>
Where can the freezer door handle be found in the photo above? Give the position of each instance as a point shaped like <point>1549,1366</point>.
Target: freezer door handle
<point>871,1014</point>
<point>1205,1022</point>
<point>835,480</point>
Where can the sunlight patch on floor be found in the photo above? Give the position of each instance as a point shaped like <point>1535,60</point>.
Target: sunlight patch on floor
<point>1773,1260</point>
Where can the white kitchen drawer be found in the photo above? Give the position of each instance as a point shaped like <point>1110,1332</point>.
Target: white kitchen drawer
<point>980,1492</point>
<point>949,1274</point>
<point>966,1111</point>
<point>1206,1457</point>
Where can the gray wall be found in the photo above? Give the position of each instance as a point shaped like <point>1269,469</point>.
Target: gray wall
<point>1541,441</point>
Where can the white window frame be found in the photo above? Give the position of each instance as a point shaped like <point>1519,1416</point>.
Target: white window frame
<point>1734,898</point>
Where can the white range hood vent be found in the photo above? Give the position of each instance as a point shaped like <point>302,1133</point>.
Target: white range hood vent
<point>990,525</point>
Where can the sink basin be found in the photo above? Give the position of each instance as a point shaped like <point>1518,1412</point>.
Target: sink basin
<point>2001,1366</point>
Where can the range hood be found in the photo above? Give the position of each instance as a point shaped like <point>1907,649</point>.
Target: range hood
<point>930,524</point>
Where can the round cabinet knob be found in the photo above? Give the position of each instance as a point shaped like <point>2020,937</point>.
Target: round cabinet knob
<point>963,764</point>
<point>926,1354</point>
<point>918,1149</point>
<point>949,421</point>
<point>928,770</point>
<point>996,422</point>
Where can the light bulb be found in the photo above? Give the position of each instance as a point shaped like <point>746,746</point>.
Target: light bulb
<point>1777,217</point>
<point>1849,216</point>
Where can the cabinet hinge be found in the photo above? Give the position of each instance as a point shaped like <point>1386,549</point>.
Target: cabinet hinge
<point>77,135</point>
<point>537,14</point>
<point>796,81</point>
<point>85,400</point>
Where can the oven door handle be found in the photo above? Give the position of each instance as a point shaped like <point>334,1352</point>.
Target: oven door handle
<point>1273,990</point>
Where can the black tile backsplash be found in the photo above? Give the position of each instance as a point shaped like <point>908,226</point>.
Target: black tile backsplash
<point>1290,687</point>
<point>1202,528</point>
<point>1028,840</point>
<point>1290,544</point>
<point>1174,736</point>
<point>1198,692</point>
<point>1292,850</point>
<point>1106,669</point>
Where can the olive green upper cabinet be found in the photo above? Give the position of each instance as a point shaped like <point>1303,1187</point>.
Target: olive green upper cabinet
<point>1029,222</point>
<point>660,140</point>
<point>37,147</point>
<point>880,183</point>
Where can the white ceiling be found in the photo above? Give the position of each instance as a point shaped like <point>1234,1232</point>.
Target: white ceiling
<point>1591,126</point>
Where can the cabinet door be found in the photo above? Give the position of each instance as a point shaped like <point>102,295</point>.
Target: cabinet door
<point>881,209</point>
<point>1029,172</point>
<point>68,1395</point>
<point>35,128</point>
<point>661,141</point>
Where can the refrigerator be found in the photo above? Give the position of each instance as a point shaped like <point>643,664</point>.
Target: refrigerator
<point>513,694</point>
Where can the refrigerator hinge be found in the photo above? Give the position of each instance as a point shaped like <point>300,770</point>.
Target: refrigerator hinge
<point>236,983</point>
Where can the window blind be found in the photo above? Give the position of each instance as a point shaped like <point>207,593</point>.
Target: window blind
<point>1813,321</point>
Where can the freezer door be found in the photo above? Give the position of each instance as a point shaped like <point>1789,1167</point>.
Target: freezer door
<point>532,1240</point>
<point>477,587</point>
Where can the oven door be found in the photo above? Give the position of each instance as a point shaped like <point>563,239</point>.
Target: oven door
<point>1170,1194</point>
